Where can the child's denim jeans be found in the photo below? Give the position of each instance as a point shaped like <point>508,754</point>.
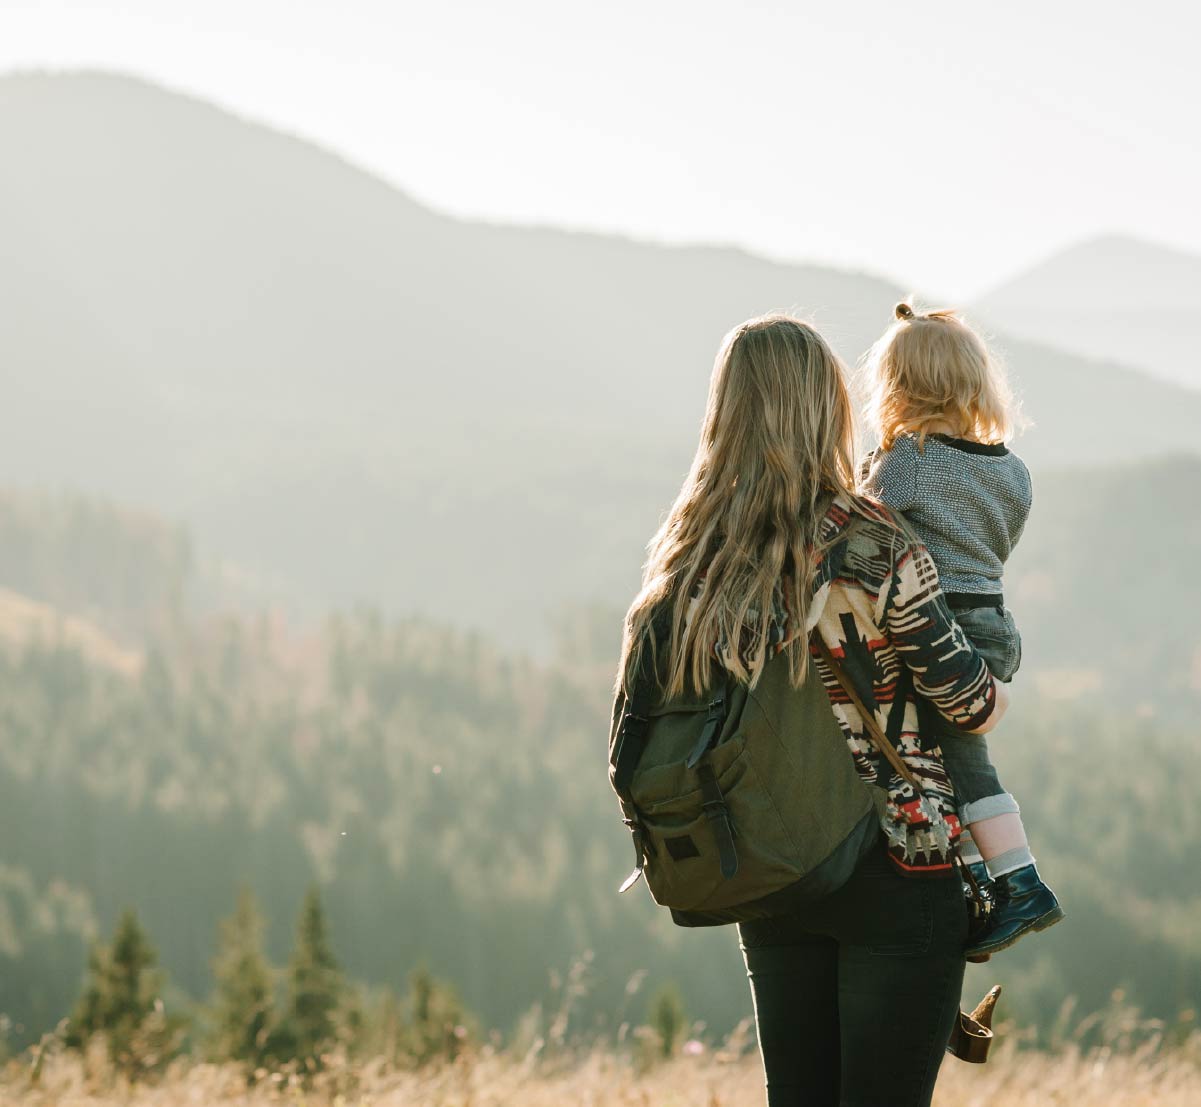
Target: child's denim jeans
<point>995,635</point>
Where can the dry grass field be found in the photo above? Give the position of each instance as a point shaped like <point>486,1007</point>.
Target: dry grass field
<point>1150,1076</point>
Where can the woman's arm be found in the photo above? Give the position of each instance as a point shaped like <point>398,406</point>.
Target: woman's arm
<point>998,711</point>
<point>947,669</point>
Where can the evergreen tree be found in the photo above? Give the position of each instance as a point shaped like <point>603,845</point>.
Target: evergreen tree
<point>122,1001</point>
<point>242,1007</point>
<point>315,985</point>
<point>666,1017</point>
<point>438,1023</point>
<point>388,1026</point>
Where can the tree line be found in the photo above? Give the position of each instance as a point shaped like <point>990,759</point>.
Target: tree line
<point>262,1017</point>
<point>449,800</point>
<point>295,1019</point>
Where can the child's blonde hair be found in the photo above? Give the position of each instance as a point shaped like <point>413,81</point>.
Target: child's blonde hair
<point>931,368</point>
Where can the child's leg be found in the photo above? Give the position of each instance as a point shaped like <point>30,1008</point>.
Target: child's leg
<point>984,806</point>
<point>1022,903</point>
<point>1002,843</point>
<point>990,812</point>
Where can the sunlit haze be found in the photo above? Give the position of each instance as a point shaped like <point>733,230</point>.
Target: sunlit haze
<point>355,359</point>
<point>945,146</point>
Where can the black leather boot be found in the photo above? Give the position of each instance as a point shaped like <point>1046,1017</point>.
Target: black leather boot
<point>1021,903</point>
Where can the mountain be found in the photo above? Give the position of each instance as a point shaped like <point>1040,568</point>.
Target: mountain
<point>356,398</point>
<point>1113,298</point>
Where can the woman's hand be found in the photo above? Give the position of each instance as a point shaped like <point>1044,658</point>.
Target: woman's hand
<point>1000,706</point>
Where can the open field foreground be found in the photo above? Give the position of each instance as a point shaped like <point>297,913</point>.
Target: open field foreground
<point>1012,1079</point>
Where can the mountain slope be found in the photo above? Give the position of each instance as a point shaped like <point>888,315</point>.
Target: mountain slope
<point>1104,589</point>
<point>450,800</point>
<point>357,398</point>
<point>1113,298</point>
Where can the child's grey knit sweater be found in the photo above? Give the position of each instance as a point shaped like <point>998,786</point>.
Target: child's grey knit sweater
<point>967,502</point>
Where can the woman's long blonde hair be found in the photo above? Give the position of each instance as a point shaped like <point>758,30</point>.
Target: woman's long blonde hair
<point>777,437</point>
<point>931,369</point>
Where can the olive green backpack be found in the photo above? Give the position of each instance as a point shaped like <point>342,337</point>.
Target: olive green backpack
<point>742,802</point>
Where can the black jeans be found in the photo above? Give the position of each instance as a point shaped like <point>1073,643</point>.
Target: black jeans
<point>856,995</point>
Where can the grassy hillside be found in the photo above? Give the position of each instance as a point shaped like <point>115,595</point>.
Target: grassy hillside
<point>1159,1076</point>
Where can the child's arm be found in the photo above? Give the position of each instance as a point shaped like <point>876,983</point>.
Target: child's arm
<point>893,476</point>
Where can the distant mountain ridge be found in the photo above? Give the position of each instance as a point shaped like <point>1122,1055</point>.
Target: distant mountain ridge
<point>112,582</point>
<point>1113,298</point>
<point>346,392</point>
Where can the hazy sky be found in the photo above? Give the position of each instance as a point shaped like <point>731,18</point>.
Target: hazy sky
<point>944,145</point>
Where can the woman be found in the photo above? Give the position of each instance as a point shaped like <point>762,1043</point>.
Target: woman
<point>855,996</point>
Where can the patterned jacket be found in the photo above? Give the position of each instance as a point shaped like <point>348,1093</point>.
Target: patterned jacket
<point>878,606</point>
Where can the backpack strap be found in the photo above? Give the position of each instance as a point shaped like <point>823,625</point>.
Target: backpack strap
<point>717,811</point>
<point>630,743</point>
<point>896,713</point>
<point>980,900</point>
<point>635,721</point>
<point>878,737</point>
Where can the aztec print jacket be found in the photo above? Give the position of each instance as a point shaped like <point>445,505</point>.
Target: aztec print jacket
<point>878,606</point>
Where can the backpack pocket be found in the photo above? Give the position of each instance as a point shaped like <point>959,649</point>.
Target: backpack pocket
<point>684,837</point>
<point>683,854</point>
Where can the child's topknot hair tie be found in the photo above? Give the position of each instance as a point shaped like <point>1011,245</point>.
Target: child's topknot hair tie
<point>903,311</point>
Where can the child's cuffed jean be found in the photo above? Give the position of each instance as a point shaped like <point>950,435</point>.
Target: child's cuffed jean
<point>980,793</point>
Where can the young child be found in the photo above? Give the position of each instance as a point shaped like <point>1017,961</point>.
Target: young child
<point>941,407</point>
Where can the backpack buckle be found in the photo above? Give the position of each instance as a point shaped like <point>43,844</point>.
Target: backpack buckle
<point>640,852</point>
<point>709,732</point>
<point>634,726</point>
